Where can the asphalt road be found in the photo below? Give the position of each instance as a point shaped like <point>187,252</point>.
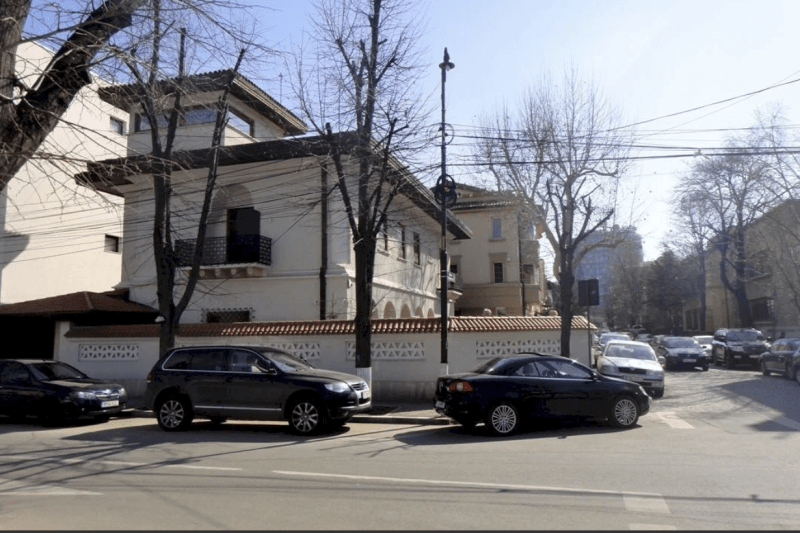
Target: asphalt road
<point>719,451</point>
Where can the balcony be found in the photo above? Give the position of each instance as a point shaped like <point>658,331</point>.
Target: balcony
<point>244,256</point>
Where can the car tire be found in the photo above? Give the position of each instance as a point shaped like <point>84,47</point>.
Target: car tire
<point>658,393</point>
<point>764,370</point>
<point>624,412</point>
<point>503,419</point>
<point>788,372</point>
<point>174,413</point>
<point>306,416</point>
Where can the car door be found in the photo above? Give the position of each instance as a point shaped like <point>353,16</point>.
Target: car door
<point>205,379</point>
<point>567,389</point>
<point>254,387</point>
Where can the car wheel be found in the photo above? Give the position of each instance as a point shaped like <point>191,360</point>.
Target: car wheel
<point>174,413</point>
<point>503,419</point>
<point>658,393</point>
<point>788,372</point>
<point>624,412</point>
<point>306,417</point>
<point>764,369</point>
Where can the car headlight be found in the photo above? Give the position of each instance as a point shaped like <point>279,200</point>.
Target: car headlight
<point>657,373</point>
<point>608,368</point>
<point>83,395</point>
<point>338,386</point>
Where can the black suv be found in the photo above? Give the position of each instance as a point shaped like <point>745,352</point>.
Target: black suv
<point>734,347</point>
<point>251,383</point>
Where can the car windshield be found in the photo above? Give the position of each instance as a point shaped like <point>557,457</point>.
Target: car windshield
<point>630,351</point>
<point>745,336</point>
<point>286,361</point>
<point>613,336</point>
<point>703,339</point>
<point>53,371</point>
<point>680,342</point>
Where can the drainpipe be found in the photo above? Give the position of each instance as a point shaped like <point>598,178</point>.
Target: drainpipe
<point>323,246</point>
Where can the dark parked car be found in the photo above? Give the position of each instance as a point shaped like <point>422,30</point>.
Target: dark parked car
<point>735,347</point>
<point>55,391</point>
<point>251,383</point>
<point>505,391</point>
<point>682,352</point>
<point>779,357</point>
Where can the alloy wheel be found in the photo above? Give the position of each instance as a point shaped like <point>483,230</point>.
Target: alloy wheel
<point>626,413</point>
<point>503,419</point>
<point>305,417</point>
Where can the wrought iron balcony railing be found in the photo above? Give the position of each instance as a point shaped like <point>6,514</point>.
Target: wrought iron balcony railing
<point>219,251</point>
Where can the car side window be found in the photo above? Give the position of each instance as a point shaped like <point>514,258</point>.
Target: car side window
<point>527,370</point>
<point>14,372</point>
<point>243,361</point>
<point>209,359</point>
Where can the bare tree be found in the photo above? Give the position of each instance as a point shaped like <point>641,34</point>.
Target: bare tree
<point>28,114</point>
<point>734,190</point>
<point>360,96</point>
<point>566,154</point>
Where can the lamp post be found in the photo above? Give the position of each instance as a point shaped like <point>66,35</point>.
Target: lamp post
<point>445,191</point>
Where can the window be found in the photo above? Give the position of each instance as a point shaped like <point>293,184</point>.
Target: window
<point>117,125</point>
<point>143,123</point>
<point>498,272</point>
<point>111,244</point>
<point>497,228</point>
<point>385,236</point>
<point>402,241</point>
<point>417,250</point>
<point>240,122</point>
<point>762,309</point>
<point>227,316</point>
<point>527,274</point>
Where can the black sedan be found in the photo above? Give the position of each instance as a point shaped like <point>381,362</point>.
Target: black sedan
<point>779,357</point>
<point>55,391</point>
<point>504,391</point>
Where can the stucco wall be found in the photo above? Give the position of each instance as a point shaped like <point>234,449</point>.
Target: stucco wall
<point>404,366</point>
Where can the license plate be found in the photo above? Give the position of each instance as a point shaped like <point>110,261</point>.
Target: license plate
<point>365,395</point>
<point>633,378</point>
<point>689,360</point>
<point>439,405</point>
<point>109,403</point>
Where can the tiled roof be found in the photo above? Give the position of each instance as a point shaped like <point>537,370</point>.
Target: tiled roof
<point>476,324</point>
<point>76,303</point>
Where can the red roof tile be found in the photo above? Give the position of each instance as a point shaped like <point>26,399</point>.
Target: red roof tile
<point>475,324</point>
<point>77,303</point>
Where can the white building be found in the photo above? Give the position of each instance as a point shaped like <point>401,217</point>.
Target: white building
<point>278,244</point>
<point>55,236</point>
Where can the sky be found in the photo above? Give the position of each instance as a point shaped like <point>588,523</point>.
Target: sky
<point>680,69</point>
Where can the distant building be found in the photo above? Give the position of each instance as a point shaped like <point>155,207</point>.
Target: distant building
<point>600,262</point>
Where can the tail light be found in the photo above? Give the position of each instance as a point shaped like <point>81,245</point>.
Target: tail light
<point>459,386</point>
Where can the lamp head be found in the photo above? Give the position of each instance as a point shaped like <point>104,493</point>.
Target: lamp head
<point>447,64</point>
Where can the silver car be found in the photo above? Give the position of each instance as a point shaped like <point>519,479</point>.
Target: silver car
<point>633,361</point>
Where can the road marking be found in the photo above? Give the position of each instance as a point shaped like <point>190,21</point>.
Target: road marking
<point>672,420</point>
<point>125,463</point>
<point>645,505</point>
<point>16,488</point>
<point>641,495</point>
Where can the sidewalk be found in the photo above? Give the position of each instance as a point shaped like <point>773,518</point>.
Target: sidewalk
<point>399,413</point>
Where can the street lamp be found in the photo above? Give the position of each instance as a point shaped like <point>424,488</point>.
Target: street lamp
<point>445,192</point>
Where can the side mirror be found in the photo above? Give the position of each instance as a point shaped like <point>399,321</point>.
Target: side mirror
<point>266,367</point>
